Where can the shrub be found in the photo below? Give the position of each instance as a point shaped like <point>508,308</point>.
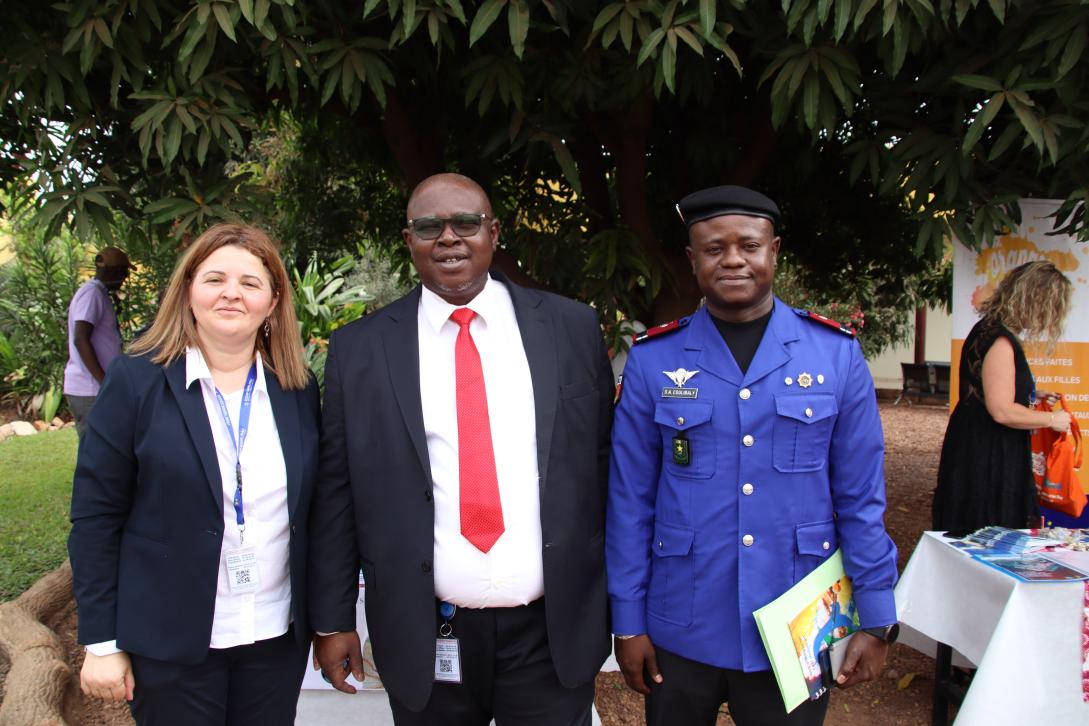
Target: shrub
<point>323,304</point>
<point>35,291</point>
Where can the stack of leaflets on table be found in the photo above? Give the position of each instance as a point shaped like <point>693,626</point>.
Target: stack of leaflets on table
<point>1020,554</point>
<point>1008,541</point>
<point>806,630</point>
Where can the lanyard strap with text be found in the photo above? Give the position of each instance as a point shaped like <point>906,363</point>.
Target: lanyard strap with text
<point>243,426</point>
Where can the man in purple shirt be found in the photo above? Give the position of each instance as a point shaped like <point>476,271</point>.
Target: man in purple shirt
<point>94,339</point>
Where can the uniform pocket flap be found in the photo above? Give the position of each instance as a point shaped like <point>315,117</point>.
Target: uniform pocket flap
<point>808,408</point>
<point>671,541</point>
<point>682,416</point>
<point>817,538</point>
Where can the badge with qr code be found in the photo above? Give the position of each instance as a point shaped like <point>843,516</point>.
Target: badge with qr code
<point>447,660</point>
<point>242,573</point>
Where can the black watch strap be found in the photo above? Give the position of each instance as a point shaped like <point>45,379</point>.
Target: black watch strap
<point>887,633</point>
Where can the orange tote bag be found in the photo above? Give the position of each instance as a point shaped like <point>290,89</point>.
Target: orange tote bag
<point>1056,459</point>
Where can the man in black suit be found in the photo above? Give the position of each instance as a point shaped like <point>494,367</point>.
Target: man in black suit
<point>464,466</point>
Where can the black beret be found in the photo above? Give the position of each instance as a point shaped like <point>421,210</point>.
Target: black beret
<point>718,201</point>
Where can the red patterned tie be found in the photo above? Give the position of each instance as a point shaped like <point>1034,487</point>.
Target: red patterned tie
<point>481,511</point>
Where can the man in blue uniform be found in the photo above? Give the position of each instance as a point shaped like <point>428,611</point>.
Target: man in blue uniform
<point>747,448</point>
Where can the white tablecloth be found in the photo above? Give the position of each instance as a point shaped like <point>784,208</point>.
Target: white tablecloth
<point>1024,638</point>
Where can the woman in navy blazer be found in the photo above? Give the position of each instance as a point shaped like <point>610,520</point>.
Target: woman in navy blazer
<point>191,498</point>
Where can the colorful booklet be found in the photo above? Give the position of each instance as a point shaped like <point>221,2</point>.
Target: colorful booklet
<point>799,628</point>
<point>1032,567</point>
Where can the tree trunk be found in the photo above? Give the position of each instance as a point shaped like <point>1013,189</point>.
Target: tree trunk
<point>414,152</point>
<point>39,673</point>
<point>594,177</point>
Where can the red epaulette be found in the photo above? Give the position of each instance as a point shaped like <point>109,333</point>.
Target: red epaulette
<point>660,329</point>
<point>816,317</point>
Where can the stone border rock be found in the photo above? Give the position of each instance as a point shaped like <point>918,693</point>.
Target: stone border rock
<point>28,428</point>
<point>39,675</point>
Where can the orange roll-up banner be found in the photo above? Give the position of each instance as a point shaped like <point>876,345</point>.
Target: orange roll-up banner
<point>975,275</point>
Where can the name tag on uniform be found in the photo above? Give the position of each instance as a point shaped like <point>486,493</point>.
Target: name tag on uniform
<point>447,660</point>
<point>242,573</point>
<point>680,392</point>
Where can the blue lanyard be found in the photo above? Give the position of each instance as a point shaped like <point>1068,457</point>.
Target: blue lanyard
<point>243,427</point>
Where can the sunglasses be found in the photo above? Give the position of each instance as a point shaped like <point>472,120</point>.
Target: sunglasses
<point>463,224</point>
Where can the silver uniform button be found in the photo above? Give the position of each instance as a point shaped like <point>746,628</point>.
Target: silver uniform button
<point>809,413</point>
<point>825,546</point>
<point>747,540</point>
<point>680,420</point>
<point>744,393</point>
<point>660,544</point>
<point>788,380</point>
<point>746,488</point>
<point>748,440</point>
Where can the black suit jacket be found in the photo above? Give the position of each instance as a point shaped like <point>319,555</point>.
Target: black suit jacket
<point>147,510</point>
<point>374,509</point>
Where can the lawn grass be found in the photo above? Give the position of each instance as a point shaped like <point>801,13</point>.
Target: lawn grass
<point>35,493</point>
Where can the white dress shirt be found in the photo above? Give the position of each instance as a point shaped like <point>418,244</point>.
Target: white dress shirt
<point>511,573</point>
<point>244,618</point>
<point>241,619</point>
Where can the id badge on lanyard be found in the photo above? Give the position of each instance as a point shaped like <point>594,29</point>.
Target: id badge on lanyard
<point>242,572</point>
<point>447,648</point>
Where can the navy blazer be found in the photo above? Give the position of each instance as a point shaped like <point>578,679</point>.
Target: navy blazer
<point>374,506</point>
<point>147,510</point>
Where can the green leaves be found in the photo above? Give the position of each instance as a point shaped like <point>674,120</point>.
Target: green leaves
<point>660,29</point>
<point>563,158</point>
<point>1043,130</point>
<point>827,77</point>
<point>349,67</point>
<point>185,121</point>
<point>201,207</point>
<point>517,22</point>
<point>490,77</point>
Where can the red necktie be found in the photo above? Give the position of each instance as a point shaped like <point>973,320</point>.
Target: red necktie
<point>481,511</point>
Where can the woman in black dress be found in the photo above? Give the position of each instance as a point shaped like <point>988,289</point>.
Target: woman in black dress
<point>985,474</point>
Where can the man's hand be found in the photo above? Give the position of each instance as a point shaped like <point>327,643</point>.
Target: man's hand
<point>865,660</point>
<point>108,677</point>
<point>337,655</point>
<point>636,656</point>
<point>87,351</point>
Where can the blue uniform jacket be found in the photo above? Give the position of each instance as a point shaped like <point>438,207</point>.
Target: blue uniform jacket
<point>780,475</point>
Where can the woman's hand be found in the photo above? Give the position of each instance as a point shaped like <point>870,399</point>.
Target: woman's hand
<point>1051,397</point>
<point>108,677</point>
<point>1059,421</point>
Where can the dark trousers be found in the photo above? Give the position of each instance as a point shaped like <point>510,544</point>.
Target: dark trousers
<point>507,674</point>
<point>692,692</point>
<point>80,406</point>
<point>249,684</point>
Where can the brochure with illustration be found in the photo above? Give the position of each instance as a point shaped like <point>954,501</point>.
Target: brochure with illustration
<point>1032,567</point>
<point>1075,559</point>
<point>799,627</point>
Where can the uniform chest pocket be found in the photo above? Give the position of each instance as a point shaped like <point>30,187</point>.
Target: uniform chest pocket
<point>803,428</point>
<point>689,422</point>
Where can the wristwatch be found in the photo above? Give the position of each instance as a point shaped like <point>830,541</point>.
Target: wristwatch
<point>887,633</point>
